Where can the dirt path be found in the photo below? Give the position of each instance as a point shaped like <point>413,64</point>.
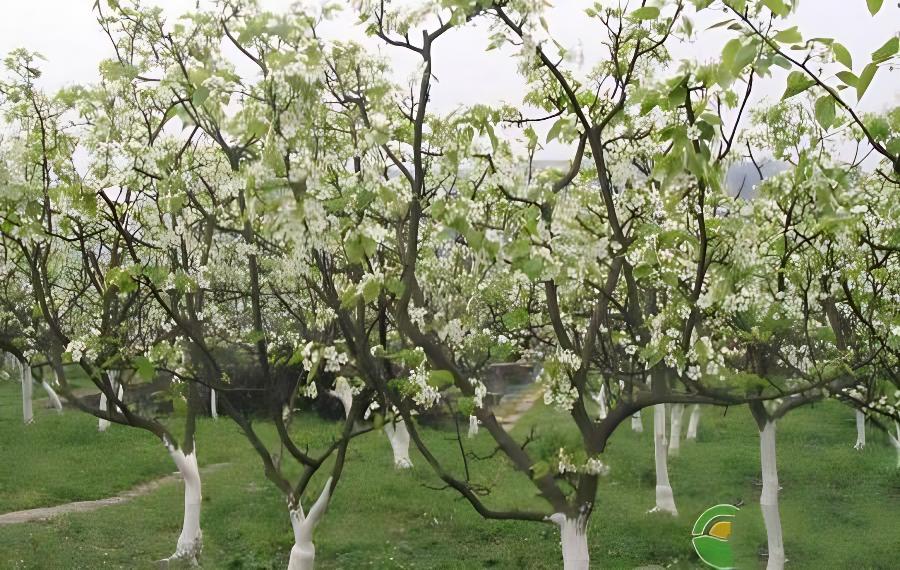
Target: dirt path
<point>45,513</point>
<point>511,412</point>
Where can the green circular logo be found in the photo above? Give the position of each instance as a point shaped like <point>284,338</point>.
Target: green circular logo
<point>710,536</point>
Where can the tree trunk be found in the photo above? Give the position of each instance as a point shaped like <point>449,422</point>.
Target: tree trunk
<point>675,432</point>
<point>51,393</point>
<point>665,498</point>
<point>603,410</point>
<point>895,441</point>
<point>343,392</point>
<point>190,542</point>
<point>399,438</point>
<point>213,407</point>
<point>860,430</point>
<point>103,425</point>
<point>693,422</point>
<point>636,423</point>
<point>473,426</point>
<point>768,499</point>
<point>303,553</point>
<point>27,409</point>
<point>573,538</point>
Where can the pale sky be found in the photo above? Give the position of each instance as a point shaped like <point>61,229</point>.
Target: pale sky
<point>66,33</point>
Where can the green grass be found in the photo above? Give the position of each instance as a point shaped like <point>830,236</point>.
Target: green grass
<point>840,507</point>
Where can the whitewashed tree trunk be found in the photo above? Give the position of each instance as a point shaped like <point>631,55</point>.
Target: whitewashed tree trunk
<point>573,539</point>
<point>213,406</point>
<point>27,409</point>
<point>693,422</point>
<point>303,553</point>
<point>473,426</point>
<point>636,423</point>
<point>399,437</point>
<point>54,398</point>
<point>768,499</point>
<point>190,541</point>
<point>103,425</point>
<point>675,431</point>
<point>665,498</point>
<point>343,392</point>
<point>895,441</point>
<point>602,403</point>
<point>860,430</point>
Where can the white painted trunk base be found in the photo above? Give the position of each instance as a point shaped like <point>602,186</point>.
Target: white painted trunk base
<point>399,437</point>
<point>27,409</point>
<point>860,430</point>
<point>213,405</point>
<point>343,392</point>
<point>303,553</point>
<point>602,403</point>
<point>473,426</point>
<point>895,441</point>
<point>54,398</point>
<point>103,425</point>
<point>768,498</point>
<point>677,414</point>
<point>636,424</point>
<point>573,539</point>
<point>665,497</point>
<point>190,541</point>
<point>693,422</point>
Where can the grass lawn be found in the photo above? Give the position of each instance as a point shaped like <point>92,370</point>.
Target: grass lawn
<point>840,507</point>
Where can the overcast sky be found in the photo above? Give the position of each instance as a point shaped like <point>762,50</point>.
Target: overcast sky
<point>66,33</point>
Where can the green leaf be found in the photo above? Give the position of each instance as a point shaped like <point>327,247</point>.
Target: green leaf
<point>874,6</point>
<point>825,112</point>
<point>744,57</point>
<point>848,78</point>
<point>777,7</point>
<point>842,55</point>
<point>729,52</point>
<point>554,130</point>
<point>370,290</point>
<point>797,83</point>
<point>144,368</point>
<point>516,319</point>
<point>540,469</point>
<point>789,36</point>
<point>645,13</point>
<point>201,94</point>
<point>865,78</point>
<point>886,51</point>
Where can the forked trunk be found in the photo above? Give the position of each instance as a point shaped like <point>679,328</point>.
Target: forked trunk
<point>573,539</point>
<point>768,499</point>
<point>27,409</point>
<point>190,542</point>
<point>399,438</point>
<point>693,422</point>
<point>665,498</point>
<point>636,423</point>
<point>860,430</point>
<point>303,553</point>
<point>675,432</point>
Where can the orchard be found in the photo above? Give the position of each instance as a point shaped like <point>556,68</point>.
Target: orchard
<point>252,237</point>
